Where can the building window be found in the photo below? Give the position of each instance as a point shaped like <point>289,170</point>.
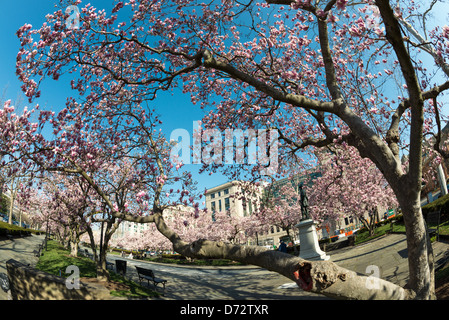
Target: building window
<point>226,191</point>
<point>219,205</point>
<point>219,193</point>
<point>212,195</point>
<point>227,203</point>
<point>212,206</point>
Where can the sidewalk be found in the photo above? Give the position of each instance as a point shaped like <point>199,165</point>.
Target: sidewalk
<point>387,255</point>
<point>20,249</point>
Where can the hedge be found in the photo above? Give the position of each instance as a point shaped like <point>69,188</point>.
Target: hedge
<point>6,228</point>
<point>441,203</point>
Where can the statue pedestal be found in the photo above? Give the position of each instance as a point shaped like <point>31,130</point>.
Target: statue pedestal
<point>308,237</point>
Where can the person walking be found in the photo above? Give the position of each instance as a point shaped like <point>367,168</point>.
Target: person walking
<point>282,246</point>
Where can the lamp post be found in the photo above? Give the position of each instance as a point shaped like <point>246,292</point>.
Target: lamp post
<point>101,236</point>
<point>46,234</point>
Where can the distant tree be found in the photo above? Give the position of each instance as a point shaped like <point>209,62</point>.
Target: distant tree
<point>349,186</point>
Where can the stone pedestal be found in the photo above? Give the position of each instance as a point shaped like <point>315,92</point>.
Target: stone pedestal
<point>308,237</point>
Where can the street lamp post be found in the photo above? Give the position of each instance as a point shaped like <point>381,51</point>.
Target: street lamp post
<point>46,234</point>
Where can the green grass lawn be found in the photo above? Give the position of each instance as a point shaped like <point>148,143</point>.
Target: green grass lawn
<point>363,236</point>
<point>57,259</point>
<point>196,262</point>
<point>444,227</point>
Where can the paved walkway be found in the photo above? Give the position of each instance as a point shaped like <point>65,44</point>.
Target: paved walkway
<point>220,283</point>
<point>20,249</point>
<point>388,254</point>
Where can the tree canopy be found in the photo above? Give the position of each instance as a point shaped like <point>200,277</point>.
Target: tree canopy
<point>319,73</point>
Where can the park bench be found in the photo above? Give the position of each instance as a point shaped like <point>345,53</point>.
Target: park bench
<point>148,275</point>
<point>433,223</point>
<point>37,253</point>
<point>109,265</point>
<point>120,266</point>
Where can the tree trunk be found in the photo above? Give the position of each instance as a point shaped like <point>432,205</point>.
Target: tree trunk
<point>74,248</point>
<point>11,207</point>
<point>368,225</point>
<point>102,272</point>
<point>420,253</point>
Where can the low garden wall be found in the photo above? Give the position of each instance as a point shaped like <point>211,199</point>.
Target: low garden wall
<point>27,283</point>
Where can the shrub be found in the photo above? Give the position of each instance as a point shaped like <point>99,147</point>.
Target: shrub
<point>6,228</point>
<point>441,203</point>
<point>173,256</point>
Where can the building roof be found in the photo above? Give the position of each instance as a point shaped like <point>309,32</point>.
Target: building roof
<point>221,186</point>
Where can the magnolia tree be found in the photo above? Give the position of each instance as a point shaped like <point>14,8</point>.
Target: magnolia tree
<point>317,72</point>
<point>192,226</point>
<point>349,186</point>
<point>282,208</point>
<point>45,216</point>
<point>60,205</point>
<point>114,153</point>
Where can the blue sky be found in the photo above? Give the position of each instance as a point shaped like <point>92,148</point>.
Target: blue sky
<point>176,109</point>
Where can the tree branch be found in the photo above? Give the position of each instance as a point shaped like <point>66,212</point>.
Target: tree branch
<point>323,277</point>
<point>293,99</point>
<point>394,36</point>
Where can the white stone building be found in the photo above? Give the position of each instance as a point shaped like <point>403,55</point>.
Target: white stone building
<point>228,197</point>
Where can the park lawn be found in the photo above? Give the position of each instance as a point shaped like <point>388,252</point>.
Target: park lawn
<point>363,235</point>
<point>196,262</point>
<point>56,259</point>
<point>444,227</point>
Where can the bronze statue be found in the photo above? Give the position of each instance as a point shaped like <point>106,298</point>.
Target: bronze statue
<point>304,201</point>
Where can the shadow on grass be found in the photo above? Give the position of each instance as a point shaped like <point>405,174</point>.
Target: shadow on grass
<point>56,259</point>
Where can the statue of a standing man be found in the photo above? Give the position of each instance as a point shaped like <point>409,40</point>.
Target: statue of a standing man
<point>304,201</point>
